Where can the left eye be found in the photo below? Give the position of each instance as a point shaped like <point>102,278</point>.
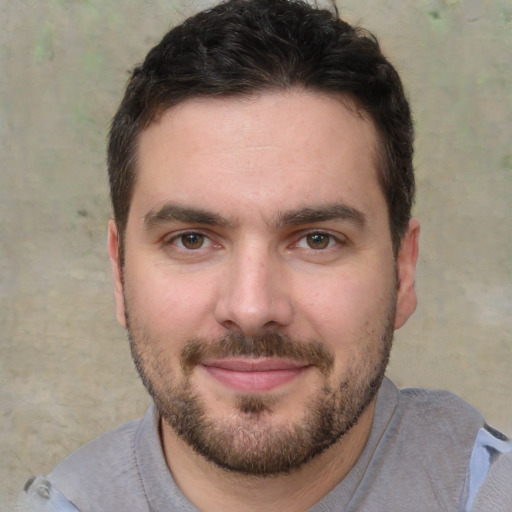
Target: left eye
<point>317,241</point>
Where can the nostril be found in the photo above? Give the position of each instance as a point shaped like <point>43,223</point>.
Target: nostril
<point>231,326</point>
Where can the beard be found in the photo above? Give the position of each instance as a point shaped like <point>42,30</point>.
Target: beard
<point>247,442</point>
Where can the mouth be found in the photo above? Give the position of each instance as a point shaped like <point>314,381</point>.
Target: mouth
<point>249,375</point>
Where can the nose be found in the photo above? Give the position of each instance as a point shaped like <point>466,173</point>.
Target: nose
<point>254,297</point>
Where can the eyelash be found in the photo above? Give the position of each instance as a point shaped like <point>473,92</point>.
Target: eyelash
<point>180,236</point>
<point>332,241</point>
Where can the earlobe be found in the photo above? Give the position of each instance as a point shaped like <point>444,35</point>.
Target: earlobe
<point>117,271</point>
<point>406,268</point>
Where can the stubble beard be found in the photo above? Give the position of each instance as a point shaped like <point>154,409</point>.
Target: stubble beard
<point>247,442</point>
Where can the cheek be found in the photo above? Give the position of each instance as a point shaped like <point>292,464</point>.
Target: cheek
<point>167,303</point>
<point>347,305</point>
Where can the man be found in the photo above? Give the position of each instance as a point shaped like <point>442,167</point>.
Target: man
<point>263,253</point>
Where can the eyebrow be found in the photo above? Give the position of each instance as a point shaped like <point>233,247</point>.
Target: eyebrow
<point>337,211</point>
<point>171,212</point>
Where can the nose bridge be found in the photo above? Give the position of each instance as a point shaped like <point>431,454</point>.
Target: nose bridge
<point>253,297</point>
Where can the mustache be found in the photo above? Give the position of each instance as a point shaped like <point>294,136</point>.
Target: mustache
<point>271,344</point>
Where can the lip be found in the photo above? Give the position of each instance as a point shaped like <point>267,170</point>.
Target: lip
<point>254,375</point>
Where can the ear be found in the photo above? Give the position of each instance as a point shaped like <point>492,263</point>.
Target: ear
<point>406,266</point>
<point>117,271</point>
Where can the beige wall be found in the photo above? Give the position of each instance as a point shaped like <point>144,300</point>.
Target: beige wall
<point>65,371</point>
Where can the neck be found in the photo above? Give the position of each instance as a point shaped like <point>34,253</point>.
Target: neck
<point>214,489</point>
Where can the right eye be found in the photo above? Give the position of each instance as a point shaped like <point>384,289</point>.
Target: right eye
<point>189,241</point>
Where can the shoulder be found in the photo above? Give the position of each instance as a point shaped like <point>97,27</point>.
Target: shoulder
<point>423,453</point>
<point>441,412</point>
<point>110,450</point>
<point>439,429</point>
<point>451,447</point>
<point>103,474</point>
<point>429,414</point>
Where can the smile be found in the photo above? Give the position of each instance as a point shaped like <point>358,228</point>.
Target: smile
<point>254,375</point>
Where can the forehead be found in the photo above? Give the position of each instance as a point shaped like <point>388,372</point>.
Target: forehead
<point>269,151</point>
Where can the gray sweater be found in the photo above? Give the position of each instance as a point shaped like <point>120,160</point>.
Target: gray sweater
<point>428,451</point>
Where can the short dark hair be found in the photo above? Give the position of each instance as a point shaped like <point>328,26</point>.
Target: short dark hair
<point>242,47</point>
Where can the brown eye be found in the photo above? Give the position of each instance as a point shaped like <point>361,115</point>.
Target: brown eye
<point>192,240</point>
<point>318,240</point>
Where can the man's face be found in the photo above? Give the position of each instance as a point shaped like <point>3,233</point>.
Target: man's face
<point>259,287</point>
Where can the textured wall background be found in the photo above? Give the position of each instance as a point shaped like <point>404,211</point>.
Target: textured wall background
<point>65,371</point>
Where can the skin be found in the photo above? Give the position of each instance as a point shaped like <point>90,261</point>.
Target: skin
<point>255,165</point>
